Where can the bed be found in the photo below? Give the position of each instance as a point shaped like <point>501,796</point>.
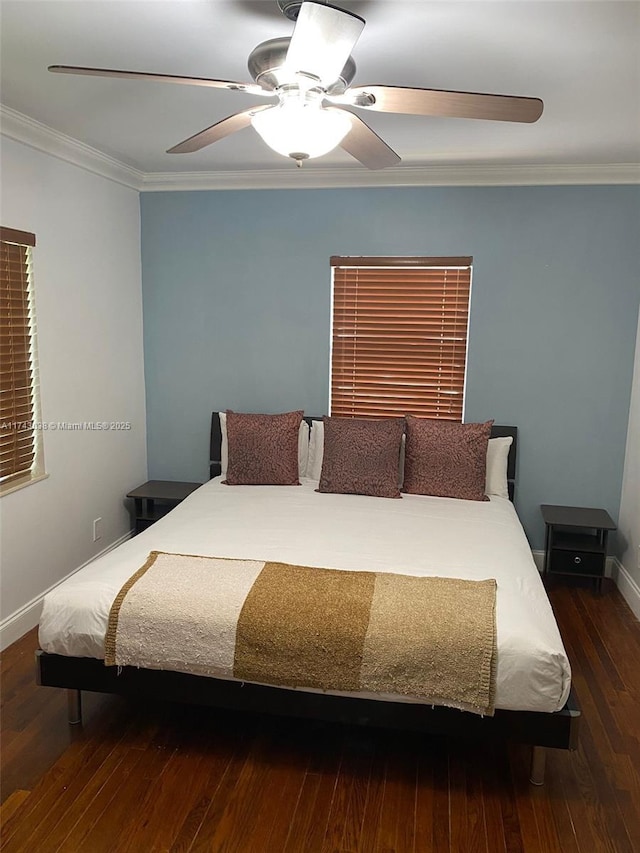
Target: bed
<point>418,535</point>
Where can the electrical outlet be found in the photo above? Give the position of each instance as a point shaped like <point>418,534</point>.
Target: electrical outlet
<point>97,529</point>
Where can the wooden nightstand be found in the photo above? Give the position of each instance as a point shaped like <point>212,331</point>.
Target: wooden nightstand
<point>576,541</point>
<point>156,498</point>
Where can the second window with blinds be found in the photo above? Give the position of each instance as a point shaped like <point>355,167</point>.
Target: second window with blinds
<point>399,336</point>
<point>21,452</point>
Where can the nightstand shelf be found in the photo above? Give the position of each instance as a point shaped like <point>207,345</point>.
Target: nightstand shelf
<point>156,498</point>
<point>576,541</point>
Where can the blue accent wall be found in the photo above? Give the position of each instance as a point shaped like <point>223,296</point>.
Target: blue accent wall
<point>236,290</point>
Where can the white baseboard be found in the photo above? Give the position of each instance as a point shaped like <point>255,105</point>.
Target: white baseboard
<point>17,624</point>
<point>538,557</point>
<point>628,587</point>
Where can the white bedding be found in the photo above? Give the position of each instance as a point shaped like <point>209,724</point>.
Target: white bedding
<point>416,535</point>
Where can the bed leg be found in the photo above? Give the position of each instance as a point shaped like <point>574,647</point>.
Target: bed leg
<point>74,700</point>
<point>538,760</point>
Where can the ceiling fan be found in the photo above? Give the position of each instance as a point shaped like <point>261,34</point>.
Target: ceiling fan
<point>311,73</point>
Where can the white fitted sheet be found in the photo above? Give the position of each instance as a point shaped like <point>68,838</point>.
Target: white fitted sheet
<point>416,535</point>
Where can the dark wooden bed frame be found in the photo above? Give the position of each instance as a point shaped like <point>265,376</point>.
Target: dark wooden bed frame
<point>558,730</point>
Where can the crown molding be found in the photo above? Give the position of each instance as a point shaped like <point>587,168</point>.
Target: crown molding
<point>398,176</point>
<point>22,128</point>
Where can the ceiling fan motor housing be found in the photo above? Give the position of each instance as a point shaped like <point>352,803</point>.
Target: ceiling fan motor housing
<point>267,61</point>
<point>290,8</point>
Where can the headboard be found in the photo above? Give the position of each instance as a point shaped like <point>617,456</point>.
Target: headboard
<point>215,448</point>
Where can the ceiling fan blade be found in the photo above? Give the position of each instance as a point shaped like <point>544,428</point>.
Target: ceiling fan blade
<point>251,88</point>
<point>217,131</point>
<point>437,102</point>
<point>322,41</point>
<point>366,146</point>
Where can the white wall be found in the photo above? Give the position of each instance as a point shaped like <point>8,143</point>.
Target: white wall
<point>88,298</point>
<point>629,522</point>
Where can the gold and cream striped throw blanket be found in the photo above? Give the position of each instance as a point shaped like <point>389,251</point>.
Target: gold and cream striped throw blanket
<point>429,638</point>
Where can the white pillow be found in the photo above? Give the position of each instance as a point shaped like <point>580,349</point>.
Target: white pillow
<point>497,456</point>
<point>303,446</point>
<point>316,450</point>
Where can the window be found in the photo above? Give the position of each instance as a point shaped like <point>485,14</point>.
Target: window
<point>20,446</point>
<point>399,336</point>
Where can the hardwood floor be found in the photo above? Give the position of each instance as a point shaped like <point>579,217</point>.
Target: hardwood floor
<point>146,779</point>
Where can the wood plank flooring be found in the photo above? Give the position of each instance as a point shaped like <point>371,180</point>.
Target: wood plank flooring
<point>170,778</point>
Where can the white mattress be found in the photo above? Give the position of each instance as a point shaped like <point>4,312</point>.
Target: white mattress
<point>416,535</point>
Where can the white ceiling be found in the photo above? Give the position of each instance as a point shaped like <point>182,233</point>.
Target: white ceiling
<point>582,59</point>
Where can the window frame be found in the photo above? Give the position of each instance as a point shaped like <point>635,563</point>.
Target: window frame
<point>398,406</point>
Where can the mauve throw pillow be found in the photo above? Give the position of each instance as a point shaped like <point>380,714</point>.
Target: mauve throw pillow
<point>446,459</point>
<point>263,449</point>
<point>361,456</point>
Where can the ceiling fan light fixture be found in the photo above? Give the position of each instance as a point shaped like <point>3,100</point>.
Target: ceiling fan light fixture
<point>301,130</point>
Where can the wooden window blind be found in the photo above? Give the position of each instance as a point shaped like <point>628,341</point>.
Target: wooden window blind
<point>17,434</point>
<point>399,336</point>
